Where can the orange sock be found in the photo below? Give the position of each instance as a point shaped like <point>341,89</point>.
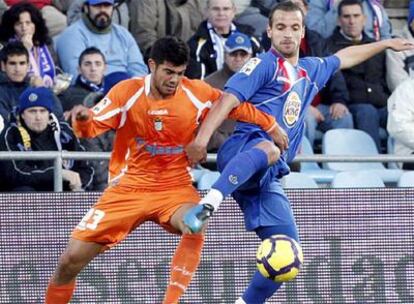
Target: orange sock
<point>183,265</point>
<point>59,294</point>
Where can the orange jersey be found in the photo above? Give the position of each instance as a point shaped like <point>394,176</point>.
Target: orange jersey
<point>151,134</point>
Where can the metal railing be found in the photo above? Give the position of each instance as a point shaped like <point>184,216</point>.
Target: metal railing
<point>58,158</point>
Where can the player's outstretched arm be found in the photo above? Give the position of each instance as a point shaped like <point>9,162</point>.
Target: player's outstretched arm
<point>354,55</point>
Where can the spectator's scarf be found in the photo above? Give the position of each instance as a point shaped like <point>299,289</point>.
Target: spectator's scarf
<point>90,86</point>
<point>218,43</point>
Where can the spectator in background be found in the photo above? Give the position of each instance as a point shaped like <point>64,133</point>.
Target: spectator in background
<point>96,28</point>
<point>400,123</point>
<point>90,87</point>
<point>90,79</point>
<point>24,22</point>
<point>365,82</point>
<point>249,15</point>
<point>120,15</point>
<point>151,20</point>
<point>401,64</point>
<point>207,44</point>
<point>54,18</point>
<point>37,129</point>
<point>323,14</point>
<point>15,79</point>
<point>237,51</point>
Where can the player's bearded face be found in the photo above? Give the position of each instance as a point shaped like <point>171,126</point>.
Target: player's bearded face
<point>286,32</point>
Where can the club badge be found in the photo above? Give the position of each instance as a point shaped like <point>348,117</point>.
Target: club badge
<point>292,108</point>
<point>158,124</point>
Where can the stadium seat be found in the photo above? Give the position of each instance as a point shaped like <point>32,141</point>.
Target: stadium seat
<point>207,180</point>
<point>312,169</point>
<point>406,179</point>
<point>352,142</point>
<point>298,180</point>
<point>357,179</point>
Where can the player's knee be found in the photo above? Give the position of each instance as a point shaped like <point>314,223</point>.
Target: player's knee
<point>273,154</point>
<point>70,264</point>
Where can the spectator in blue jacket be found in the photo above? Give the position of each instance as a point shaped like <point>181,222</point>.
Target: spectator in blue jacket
<point>96,28</point>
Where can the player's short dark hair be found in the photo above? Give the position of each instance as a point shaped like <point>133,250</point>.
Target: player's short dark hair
<point>15,48</point>
<point>285,6</point>
<point>348,3</point>
<point>89,51</point>
<point>171,49</point>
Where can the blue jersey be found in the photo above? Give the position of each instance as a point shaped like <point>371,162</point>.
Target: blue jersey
<point>285,91</point>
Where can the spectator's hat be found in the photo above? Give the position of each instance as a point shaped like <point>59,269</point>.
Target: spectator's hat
<point>97,2</point>
<point>238,41</point>
<point>36,97</point>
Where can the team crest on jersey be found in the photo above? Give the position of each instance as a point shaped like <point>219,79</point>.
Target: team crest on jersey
<point>291,110</point>
<point>101,105</point>
<point>158,124</point>
<point>249,67</point>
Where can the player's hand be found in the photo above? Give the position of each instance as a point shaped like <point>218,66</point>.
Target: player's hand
<point>279,137</point>
<point>196,152</point>
<point>73,178</point>
<point>79,112</point>
<point>400,44</point>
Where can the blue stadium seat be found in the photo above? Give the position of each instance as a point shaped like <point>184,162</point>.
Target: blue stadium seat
<point>406,179</point>
<point>207,180</point>
<point>352,142</point>
<point>312,169</point>
<point>298,180</point>
<point>357,179</point>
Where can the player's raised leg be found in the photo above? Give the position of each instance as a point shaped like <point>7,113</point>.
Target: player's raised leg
<point>237,171</point>
<point>75,257</point>
<point>186,258</point>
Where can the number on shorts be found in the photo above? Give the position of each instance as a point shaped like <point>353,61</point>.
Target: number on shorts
<point>91,219</point>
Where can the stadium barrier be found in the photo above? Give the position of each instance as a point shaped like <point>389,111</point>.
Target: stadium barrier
<point>358,247</point>
<point>58,158</point>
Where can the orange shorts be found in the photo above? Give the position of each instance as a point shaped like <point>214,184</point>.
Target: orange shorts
<point>119,211</point>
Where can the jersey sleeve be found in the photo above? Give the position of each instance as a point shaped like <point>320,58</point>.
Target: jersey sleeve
<point>107,113</point>
<point>254,74</point>
<point>320,70</point>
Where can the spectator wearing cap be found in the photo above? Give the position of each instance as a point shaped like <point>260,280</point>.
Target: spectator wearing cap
<point>37,129</point>
<point>237,51</point>
<point>400,65</point>
<point>96,28</point>
<point>15,79</point>
<point>207,44</point>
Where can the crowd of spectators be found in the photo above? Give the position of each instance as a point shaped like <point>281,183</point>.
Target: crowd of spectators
<point>70,52</point>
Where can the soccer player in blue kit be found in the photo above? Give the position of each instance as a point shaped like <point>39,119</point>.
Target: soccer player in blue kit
<point>251,164</point>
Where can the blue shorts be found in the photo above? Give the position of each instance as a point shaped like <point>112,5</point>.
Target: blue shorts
<point>261,199</point>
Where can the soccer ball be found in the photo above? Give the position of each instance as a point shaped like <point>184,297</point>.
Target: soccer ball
<point>279,258</point>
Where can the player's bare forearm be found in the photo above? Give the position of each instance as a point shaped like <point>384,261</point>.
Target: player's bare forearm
<point>197,150</point>
<point>354,55</point>
<point>215,117</point>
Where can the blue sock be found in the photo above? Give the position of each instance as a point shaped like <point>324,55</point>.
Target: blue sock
<point>239,169</point>
<point>260,288</point>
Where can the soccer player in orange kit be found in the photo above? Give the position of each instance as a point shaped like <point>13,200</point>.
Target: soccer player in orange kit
<point>155,117</point>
